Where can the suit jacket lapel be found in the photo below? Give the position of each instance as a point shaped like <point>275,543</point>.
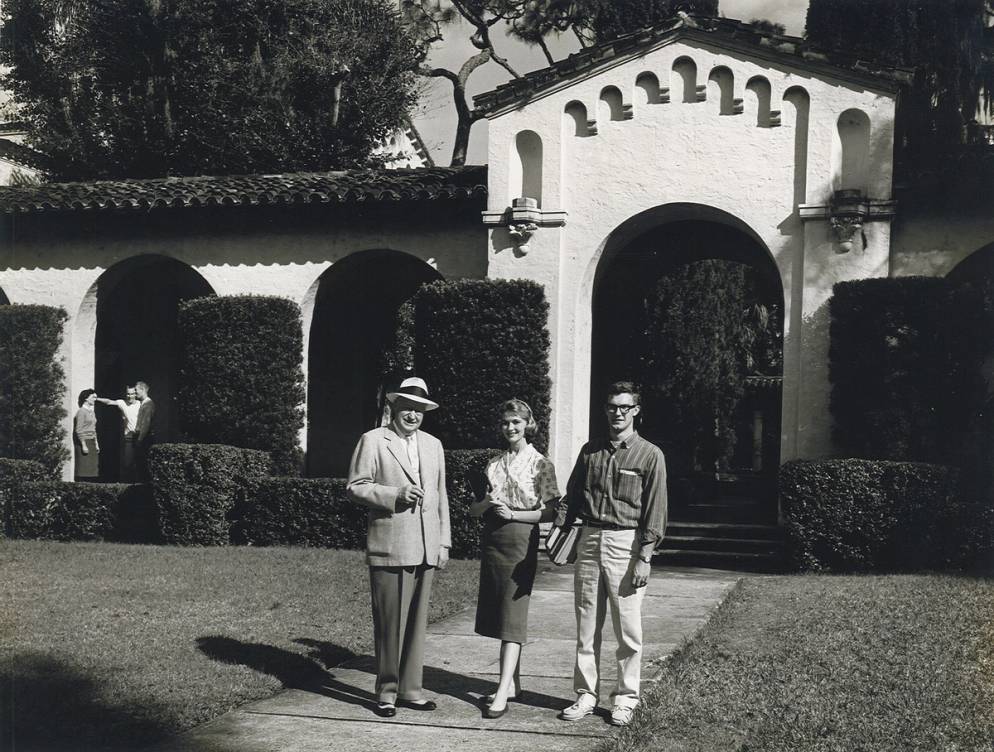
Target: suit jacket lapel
<point>399,450</point>
<point>427,461</point>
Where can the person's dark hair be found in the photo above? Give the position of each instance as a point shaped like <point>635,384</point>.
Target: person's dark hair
<point>523,411</point>
<point>141,384</point>
<point>624,387</point>
<point>85,395</point>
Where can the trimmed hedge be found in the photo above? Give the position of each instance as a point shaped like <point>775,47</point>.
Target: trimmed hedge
<point>31,380</point>
<point>241,382</point>
<point>301,512</point>
<point>197,486</point>
<point>14,473</point>
<point>60,510</point>
<point>904,364</point>
<point>317,512</point>
<point>477,343</point>
<point>864,515</point>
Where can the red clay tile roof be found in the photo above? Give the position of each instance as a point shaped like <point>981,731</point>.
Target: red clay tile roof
<point>351,186</point>
<point>721,32</point>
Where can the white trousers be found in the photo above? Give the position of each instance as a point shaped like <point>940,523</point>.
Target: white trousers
<point>605,562</point>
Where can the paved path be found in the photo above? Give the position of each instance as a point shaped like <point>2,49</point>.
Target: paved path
<point>460,667</point>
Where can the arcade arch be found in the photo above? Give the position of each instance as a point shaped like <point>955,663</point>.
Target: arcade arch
<point>355,312</point>
<point>626,288</point>
<point>135,304</point>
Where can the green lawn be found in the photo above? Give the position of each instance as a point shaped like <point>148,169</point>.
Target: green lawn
<point>829,663</point>
<point>104,644</point>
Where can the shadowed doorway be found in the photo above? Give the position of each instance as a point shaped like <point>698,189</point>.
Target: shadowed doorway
<point>723,445</point>
<point>136,339</point>
<point>355,313</point>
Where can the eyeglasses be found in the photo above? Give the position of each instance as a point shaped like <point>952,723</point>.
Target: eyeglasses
<point>623,409</point>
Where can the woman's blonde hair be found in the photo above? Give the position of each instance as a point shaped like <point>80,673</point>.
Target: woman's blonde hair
<point>522,410</point>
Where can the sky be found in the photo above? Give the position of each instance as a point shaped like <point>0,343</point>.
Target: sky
<point>435,117</point>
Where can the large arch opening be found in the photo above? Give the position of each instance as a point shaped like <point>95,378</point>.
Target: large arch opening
<point>137,339</point>
<point>355,313</point>
<point>691,307</point>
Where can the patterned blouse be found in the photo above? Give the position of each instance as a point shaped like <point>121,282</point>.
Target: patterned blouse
<point>523,481</point>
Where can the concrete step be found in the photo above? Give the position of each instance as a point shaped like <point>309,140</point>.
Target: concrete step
<point>725,530</point>
<point>723,544</point>
<point>768,562</point>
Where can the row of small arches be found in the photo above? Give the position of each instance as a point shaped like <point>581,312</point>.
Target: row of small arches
<point>683,87</point>
<point>850,152</point>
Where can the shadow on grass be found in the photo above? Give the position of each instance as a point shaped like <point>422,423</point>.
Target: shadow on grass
<point>47,704</point>
<point>316,672</point>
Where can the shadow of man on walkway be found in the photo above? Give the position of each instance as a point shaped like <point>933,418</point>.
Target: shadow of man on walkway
<point>316,672</point>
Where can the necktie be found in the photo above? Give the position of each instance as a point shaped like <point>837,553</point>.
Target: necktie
<point>412,454</point>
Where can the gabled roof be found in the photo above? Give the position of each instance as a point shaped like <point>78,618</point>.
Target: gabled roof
<point>720,32</point>
<point>306,188</point>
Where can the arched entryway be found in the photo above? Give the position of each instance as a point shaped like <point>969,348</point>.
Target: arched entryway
<point>660,297</point>
<point>355,312</point>
<point>136,339</point>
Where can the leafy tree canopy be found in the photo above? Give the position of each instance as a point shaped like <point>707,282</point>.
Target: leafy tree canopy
<point>142,88</point>
<point>947,42</point>
<point>706,331</point>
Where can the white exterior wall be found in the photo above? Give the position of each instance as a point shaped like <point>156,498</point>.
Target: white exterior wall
<point>641,172</point>
<point>286,263</point>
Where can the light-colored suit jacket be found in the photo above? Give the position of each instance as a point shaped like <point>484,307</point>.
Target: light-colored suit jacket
<point>407,536</point>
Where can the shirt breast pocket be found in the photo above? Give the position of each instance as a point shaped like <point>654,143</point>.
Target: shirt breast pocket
<point>628,486</point>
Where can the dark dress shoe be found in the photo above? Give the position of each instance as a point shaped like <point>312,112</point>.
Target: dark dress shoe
<point>423,705</point>
<point>489,712</point>
<point>386,710</point>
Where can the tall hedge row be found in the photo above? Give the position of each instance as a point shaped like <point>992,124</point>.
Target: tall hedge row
<point>904,363</point>
<point>32,385</point>
<point>865,515</point>
<point>478,343</point>
<point>197,487</point>
<point>241,382</point>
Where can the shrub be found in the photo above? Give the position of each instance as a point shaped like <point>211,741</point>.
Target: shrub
<point>31,382</point>
<point>196,487</point>
<point>136,518</point>
<point>478,343</point>
<point>301,512</point>
<point>864,515</point>
<point>904,368</point>
<point>241,382</point>
<point>465,482</point>
<point>13,473</point>
<point>60,510</point>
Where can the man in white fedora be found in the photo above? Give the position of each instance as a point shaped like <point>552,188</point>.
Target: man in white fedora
<point>398,474</point>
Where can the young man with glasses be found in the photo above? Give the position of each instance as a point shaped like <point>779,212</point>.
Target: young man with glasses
<point>618,490</point>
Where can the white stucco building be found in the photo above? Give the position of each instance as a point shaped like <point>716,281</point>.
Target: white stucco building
<point>695,126</point>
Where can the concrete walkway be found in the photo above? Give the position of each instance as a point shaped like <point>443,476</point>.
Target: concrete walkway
<point>460,667</point>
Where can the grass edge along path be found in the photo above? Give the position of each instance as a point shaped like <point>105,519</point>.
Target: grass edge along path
<point>109,646</point>
<point>823,662</point>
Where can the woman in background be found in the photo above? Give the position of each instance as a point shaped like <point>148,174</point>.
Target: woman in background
<point>522,492</point>
<point>84,432</point>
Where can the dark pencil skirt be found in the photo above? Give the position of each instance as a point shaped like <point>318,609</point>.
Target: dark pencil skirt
<point>508,560</point>
<point>87,465</point>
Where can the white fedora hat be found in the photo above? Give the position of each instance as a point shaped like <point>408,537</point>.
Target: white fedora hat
<point>415,390</point>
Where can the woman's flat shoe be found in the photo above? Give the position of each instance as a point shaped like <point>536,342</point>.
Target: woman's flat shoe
<point>423,705</point>
<point>513,698</point>
<point>489,712</point>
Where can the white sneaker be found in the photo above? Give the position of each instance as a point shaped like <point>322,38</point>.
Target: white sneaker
<point>621,715</point>
<point>583,707</point>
